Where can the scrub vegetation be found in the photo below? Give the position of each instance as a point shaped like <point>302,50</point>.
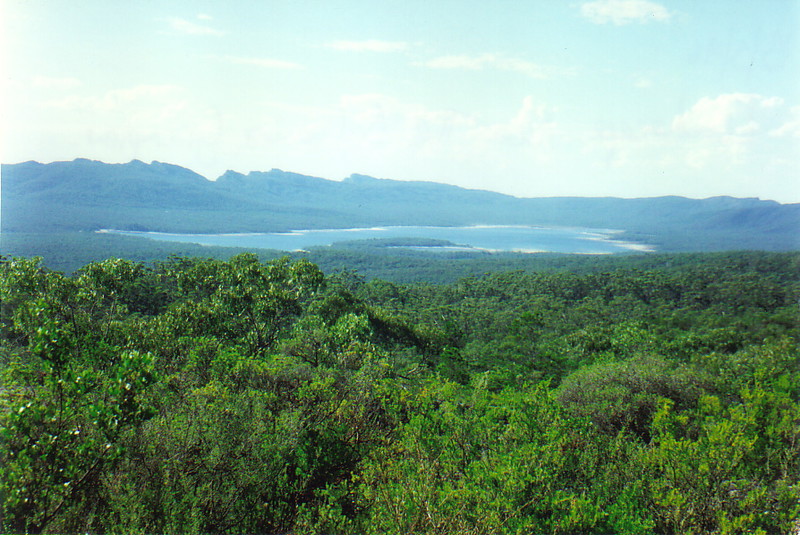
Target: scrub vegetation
<point>621,395</point>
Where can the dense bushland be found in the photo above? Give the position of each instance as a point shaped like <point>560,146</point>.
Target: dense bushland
<point>209,396</point>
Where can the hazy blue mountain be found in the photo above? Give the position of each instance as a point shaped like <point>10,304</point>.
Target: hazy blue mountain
<point>84,181</point>
<point>85,195</point>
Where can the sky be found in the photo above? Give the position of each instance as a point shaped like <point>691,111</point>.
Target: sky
<point>626,98</point>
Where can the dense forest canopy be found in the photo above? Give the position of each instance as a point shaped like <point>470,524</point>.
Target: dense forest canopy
<point>235,396</point>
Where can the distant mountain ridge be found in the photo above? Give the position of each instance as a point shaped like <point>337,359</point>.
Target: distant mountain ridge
<point>86,195</point>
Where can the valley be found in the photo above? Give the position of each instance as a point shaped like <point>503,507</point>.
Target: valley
<point>54,210</point>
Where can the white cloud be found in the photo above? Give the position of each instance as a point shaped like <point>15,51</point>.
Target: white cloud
<point>382,135</point>
<point>371,45</point>
<point>267,63</point>
<point>187,27</point>
<point>532,130</point>
<point>621,12</point>
<point>736,144</point>
<point>791,128</point>
<point>732,113</point>
<point>204,16</point>
<point>149,122</point>
<point>497,62</point>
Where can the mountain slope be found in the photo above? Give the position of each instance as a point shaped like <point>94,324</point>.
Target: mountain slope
<point>85,195</point>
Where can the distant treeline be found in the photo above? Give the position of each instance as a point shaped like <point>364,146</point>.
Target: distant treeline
<point>69,251</point>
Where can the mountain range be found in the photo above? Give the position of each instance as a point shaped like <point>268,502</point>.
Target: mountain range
<point>86,195</point>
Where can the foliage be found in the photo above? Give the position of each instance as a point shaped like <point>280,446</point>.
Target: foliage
<point>233,396</point>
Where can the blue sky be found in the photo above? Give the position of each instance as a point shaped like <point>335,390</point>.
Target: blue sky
<point>627,98</point>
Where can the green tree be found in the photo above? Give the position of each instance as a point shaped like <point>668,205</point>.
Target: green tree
<point>61,436</point>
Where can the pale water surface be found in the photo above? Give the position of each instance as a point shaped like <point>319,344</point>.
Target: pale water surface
<point>479,238</point>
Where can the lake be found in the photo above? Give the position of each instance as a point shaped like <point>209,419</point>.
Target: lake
<point>478,238</point>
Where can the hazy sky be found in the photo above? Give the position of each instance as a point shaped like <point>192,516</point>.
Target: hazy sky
<point>625,98</point>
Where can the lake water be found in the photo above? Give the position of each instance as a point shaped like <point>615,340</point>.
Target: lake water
<point>491,238</point>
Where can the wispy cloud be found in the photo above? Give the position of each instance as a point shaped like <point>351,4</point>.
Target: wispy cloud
<point>47,82</point>
<point>187,27</point>
<point>497,62</point>
<point>370,45</point>
<point>267,63</point>
<point>619,12</point>
<point>127,99</point>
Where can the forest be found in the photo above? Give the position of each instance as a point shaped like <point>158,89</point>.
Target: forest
<point>205,395</point>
